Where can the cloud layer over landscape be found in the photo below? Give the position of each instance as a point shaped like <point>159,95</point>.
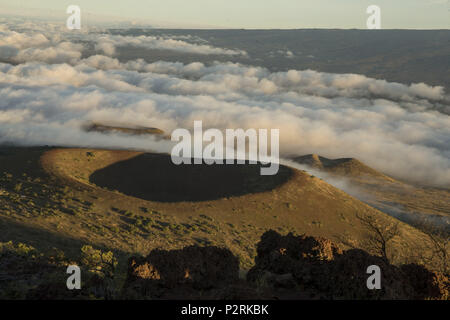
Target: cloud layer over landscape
<point>49,88</point>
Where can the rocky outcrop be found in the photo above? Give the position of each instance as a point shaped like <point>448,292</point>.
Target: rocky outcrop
<point>182,273</point>
<point>286,267</point>
<point>427,284</point>
<point>317,266</point>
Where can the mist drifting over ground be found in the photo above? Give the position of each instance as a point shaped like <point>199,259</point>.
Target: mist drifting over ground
<point>53,81</point>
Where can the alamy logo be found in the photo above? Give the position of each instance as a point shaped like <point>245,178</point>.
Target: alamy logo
<point>231,150</point>
<point>74,280</point>
<point>374,20</point>
<point>74,20</point>
<point>374,281</point>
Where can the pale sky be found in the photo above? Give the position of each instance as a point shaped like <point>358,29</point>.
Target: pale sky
<point>251,14</point>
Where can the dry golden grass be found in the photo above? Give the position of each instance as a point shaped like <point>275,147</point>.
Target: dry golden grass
<point>126,221</point>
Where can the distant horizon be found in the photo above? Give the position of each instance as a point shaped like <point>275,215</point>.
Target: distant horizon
<point>126,24</point>
<point>270,15</point>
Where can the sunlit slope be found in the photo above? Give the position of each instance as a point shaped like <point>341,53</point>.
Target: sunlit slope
<point>384,192</point>
<point>294,201</point>
<point>349,167</point>
<point>65,198</point>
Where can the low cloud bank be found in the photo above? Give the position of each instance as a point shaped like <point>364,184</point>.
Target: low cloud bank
<point>49,89</point>
<point>31,42</point>
<point>110,42</point>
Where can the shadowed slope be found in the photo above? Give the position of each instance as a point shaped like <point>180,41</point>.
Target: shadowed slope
<point>154,177</point>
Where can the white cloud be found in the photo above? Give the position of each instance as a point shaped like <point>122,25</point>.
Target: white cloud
<point>49,43</point>
<point>399,129</point>
<point>106,48</point>
<point>162,43</point>
<point>64,52</point>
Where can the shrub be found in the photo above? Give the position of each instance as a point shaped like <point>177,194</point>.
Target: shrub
<point>97,261</point>
<point>18,187</point>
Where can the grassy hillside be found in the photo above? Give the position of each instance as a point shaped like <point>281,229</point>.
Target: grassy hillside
<point>65,198</point>
<point>411,203</point>
<point>348,167</point>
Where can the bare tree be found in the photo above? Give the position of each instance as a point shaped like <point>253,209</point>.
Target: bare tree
<point>440,252</point>
<point>379,234</point>
<point>436,248</point>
